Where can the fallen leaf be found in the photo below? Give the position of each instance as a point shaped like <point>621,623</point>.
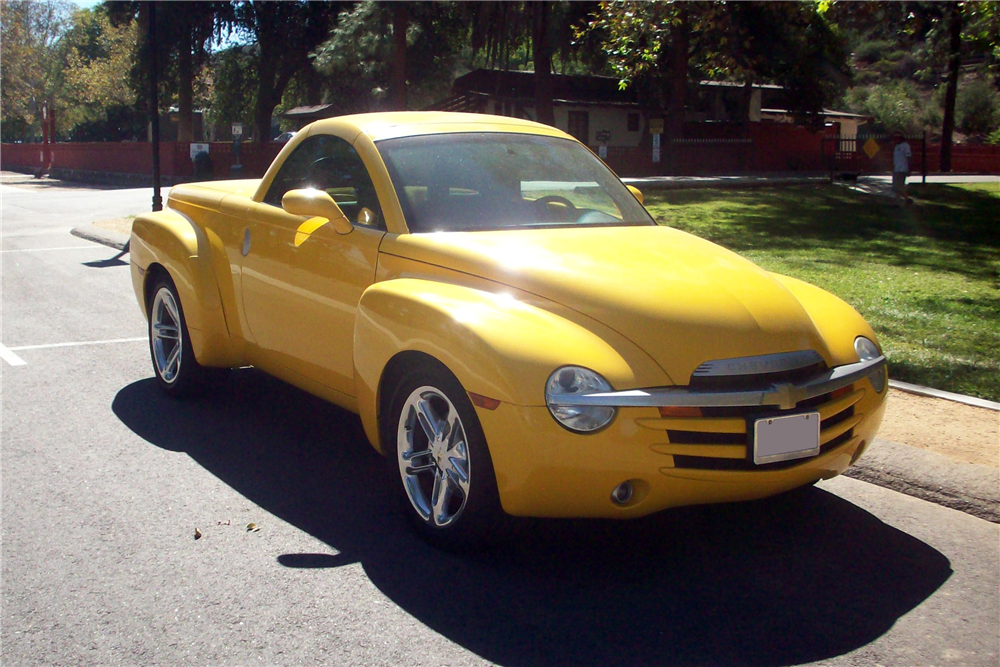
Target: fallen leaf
<point>252,528</point>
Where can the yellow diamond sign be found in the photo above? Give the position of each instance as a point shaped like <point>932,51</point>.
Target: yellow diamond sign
<point>870,148</point>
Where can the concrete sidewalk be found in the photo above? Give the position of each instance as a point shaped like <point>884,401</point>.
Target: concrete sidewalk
<point>879,184</point>
<point>745,181</point>
<point>100,235</point>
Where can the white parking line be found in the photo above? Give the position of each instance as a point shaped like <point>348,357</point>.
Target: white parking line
<point>7,353</point>
<point>69,247</point>
<point>10,357</point>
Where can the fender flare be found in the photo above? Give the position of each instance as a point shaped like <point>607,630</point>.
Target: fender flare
<point>171,241</point>
<point>496,345</point>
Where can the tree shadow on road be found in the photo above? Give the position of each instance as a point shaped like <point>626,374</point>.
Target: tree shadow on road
<point>794,579</point>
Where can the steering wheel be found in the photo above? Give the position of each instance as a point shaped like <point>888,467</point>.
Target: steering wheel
<point>555,199</point>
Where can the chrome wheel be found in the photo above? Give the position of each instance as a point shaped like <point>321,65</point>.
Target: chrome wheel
<point>433,456</point>
<point>165,335</point>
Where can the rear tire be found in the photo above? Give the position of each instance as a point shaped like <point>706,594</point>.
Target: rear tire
<point>177,372</point>
<point>438,452</point>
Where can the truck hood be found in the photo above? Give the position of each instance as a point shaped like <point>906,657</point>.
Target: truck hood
<point>681,299</point>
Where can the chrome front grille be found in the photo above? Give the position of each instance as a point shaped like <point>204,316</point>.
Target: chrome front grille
<point>718,437</point>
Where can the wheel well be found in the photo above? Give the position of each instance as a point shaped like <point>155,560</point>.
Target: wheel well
<point>391,374</point>
<point>153,274</point>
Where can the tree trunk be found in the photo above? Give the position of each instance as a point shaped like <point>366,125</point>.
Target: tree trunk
<point>185,87</point>
<point>265,97</point>
<point>542,54</point>
<point>951,92</point>
<point>678,76</point>
<point>269,94</point>
<point>399,25</point>
<point>262,114</point>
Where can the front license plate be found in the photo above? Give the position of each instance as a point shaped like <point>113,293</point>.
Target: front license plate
<point>785,438</point>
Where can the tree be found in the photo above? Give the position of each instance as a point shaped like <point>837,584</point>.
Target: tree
<point>234,85</point>
<point>502,29</point>
<point>951,92</point>
<point>541,42</point>
<point>657,46</point>
<point>183,33</point>
<point>285,34</point>
<point>400,21</point>
<point>194,24</point>
<point>95,92</point>
<point>649,47</point>
<point>498,29</point>
<point>32,62</point>
<point>361,59</point>
<point>937,39</point>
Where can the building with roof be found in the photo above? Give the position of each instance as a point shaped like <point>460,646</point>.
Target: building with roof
<point>728,126</point>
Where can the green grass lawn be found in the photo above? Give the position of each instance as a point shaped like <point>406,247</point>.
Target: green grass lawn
<point>926,277</point>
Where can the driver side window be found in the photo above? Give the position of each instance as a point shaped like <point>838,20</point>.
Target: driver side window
<point>331,164</point>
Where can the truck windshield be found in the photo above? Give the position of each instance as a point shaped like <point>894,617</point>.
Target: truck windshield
<point>472,181</point>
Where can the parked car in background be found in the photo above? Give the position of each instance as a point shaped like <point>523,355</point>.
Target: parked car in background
<point>517,334</point>
<point>284,137</point>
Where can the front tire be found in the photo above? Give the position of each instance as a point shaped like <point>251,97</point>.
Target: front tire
<point>177,371</point>
<point>439,455</point>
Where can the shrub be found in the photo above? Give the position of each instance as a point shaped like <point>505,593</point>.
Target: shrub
<point>895,106</point>
<point>905,67</point>
<point>931,115</point>
<point>873,50</point>
<point>865,76</point>
<point>977,108</point>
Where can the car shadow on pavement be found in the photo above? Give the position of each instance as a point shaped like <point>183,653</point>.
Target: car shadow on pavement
<point>793,579</point>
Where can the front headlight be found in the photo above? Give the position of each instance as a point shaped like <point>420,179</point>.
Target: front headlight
<point>866,350</point>
<point>573,380</point>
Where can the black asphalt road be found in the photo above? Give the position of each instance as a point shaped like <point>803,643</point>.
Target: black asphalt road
<point>104,482</point>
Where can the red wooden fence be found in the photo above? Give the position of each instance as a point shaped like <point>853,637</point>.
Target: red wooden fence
<point>135,159</point>
<point>705,149</point>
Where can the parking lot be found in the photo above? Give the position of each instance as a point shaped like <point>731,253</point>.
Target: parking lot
<point>105,481</point>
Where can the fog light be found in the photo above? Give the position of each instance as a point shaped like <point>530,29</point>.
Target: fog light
<point>622,493</point>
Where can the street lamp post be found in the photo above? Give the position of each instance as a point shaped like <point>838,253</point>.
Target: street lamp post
<point>154,107</point>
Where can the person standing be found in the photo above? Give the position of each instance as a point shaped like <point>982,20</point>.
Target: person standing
<point>901,155</point>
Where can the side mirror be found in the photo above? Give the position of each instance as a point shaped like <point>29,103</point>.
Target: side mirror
<point>635,191</point>
<point>316,204</point>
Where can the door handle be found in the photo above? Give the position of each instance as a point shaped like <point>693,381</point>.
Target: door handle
<point>246,241</point>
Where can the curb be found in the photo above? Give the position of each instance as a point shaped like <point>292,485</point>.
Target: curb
<point>102,236</point>
<point>946,395</point>
<point>967,487</point>
<point>696,182</point>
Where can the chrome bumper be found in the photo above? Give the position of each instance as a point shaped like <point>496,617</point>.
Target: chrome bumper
<point>783,395</point>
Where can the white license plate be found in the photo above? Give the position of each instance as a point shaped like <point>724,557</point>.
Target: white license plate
<point>785,438</point>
